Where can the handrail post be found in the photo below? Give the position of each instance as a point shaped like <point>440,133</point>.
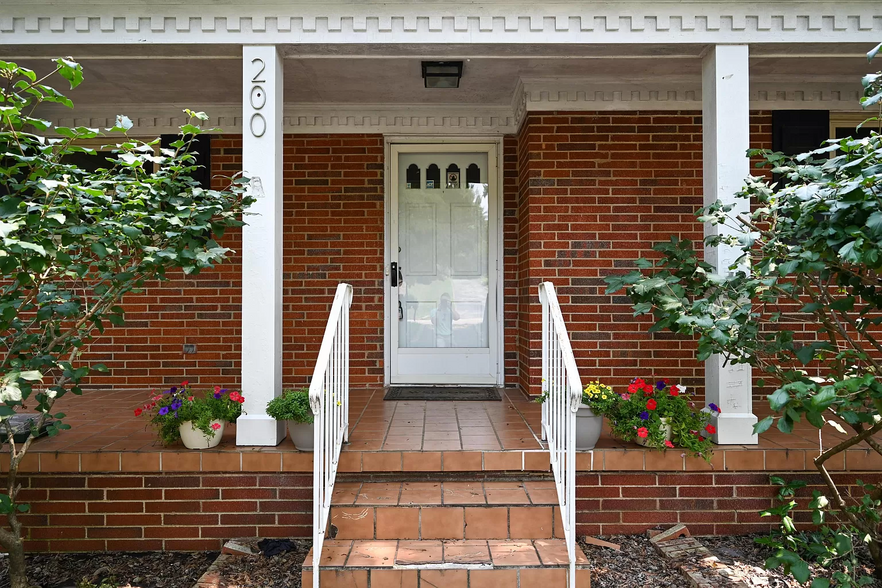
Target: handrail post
<point>329,401</point>
<point>562,388</point>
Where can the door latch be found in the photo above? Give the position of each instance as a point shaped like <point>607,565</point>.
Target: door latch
<point>394,278</point>
<point>400,311</point>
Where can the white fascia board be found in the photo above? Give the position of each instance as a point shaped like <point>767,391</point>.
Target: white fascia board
<point>493,22</point>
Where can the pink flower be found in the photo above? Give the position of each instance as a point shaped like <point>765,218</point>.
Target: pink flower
<point>668,444</point>
<point>626,396</point>
<point>642,432</point>
<point>215,426</point>
<point>190,398</point>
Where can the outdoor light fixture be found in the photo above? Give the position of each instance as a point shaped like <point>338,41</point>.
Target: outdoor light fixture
<point>442,74</point>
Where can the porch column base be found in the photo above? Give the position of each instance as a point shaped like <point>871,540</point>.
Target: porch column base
<point>734,429</point>
<point>259,429</point>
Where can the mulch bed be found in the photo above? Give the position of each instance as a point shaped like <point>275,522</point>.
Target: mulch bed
<point>145,570</point>
<point>637,565</point>
<point>746,557</point>
<point>257,571</point>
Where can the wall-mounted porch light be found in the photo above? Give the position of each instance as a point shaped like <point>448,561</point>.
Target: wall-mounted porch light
<point>442,74</point>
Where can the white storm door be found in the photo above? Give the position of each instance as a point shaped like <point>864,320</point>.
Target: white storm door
<point>443,244</point>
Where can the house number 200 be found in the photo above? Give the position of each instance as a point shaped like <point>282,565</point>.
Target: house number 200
<point>258,99</point>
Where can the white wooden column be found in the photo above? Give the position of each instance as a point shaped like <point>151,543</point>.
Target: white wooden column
<point>262,245</point>
<point>726,137</point>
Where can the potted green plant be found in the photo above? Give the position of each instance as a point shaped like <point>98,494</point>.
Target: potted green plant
<point>662,416</point>
<point>197,419</point>
<point>293,408</point>
<point>597,400</point>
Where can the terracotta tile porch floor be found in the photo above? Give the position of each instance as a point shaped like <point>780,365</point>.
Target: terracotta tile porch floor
<point>396,436</point>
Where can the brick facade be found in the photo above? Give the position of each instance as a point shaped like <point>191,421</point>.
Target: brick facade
<point>595,192</point>
<point>583,195</point>
<point>198,511</point>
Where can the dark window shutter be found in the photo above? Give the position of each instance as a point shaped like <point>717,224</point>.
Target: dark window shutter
<point>798,131</point>
<point>201,150</point>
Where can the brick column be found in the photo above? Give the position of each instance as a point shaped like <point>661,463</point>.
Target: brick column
<point>726,132</point>
<point>262,245</point>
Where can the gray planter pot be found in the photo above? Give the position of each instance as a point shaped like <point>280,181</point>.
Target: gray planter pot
<point>302,435</point>
<point>588,427</point>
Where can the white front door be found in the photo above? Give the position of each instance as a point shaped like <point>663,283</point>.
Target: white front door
<point>443,248</point>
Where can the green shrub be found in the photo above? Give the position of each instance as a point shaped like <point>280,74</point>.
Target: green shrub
<point>292,405</point>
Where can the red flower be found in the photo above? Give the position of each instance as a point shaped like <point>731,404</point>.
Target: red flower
<point>666,381</point>
<point>674,390</point>
<point>138,412</point>
<point>647,389</point>
<point>700,438</point>
<point>642,432</point>
<point>241,400</point>
<point>668,444</point>
<point>632,388</point>
<point>217,389</point>
<point>185,383</point>
<point>190,398</point>
<point>651,404</point>
<point>710,429</point>
<point>215,426</point>
<point>640,382</point>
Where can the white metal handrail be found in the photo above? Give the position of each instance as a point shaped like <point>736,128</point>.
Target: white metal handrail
<point>329,400</point>
<point>562,388</point>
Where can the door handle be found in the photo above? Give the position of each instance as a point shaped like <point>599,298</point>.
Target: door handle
<point>400,311</point>
<point>395,274</point>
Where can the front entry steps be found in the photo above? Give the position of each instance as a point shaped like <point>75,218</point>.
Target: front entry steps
<point>445,533</point>
<point>539,563</point>
<point>446,510</point>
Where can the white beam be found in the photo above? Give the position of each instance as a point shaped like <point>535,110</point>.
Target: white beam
<point>726,138</point>
<point>262,104</point>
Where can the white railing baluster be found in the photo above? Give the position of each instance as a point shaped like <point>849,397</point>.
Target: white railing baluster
<point>329,400</point>
<point>563,389</point>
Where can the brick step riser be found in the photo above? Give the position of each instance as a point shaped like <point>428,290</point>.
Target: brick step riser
<point>523,577</point>
<point>447,522</point>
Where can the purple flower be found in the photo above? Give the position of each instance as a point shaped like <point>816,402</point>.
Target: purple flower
<point>714,407</point>
<point>644,415</point>
<point>660,385</point>
<point>217,395</point>
<point>163,411</point>
<point>176,405</point>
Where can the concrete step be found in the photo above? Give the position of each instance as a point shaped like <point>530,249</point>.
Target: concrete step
<point>452,564</point>
<point>446,510</point>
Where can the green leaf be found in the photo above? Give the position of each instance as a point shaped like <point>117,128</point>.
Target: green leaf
<point>873,52</point>
<point>99,249</point>
<point>820,583</point>
<point>800,571</point>
<point>763,425</point>
<point>779,399</point>
<point>805,354</point>
<point>842,543</point>
<point>70,70</point>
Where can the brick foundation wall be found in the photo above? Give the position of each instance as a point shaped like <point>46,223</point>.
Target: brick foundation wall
<point>595,192</point>
<point>198,511</point>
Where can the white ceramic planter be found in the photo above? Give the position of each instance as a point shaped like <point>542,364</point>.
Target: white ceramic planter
<point>666,424</point>
<point>588,427</point>
<point>193,438</point>
<point>302,435</point>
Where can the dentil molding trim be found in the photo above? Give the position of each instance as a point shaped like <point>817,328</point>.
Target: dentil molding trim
<point>127,21</point>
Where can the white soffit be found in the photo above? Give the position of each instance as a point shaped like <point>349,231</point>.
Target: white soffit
<point>439,22</point>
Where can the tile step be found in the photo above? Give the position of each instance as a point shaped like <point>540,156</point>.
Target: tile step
<point>447,522</point>
<point>438,493</point>
<point>453,564</point>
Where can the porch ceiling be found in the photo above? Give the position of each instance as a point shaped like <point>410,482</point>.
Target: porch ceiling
<point>215,77</point>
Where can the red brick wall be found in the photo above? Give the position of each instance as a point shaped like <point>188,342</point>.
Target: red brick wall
<point>333,231</point>
<point>596,191</point>
<point>175,512</point>
<point>583,195</point>
<point>724,503</point>
<point>147,511</point>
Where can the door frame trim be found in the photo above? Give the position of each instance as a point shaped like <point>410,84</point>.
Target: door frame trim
<point>497,140</point>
